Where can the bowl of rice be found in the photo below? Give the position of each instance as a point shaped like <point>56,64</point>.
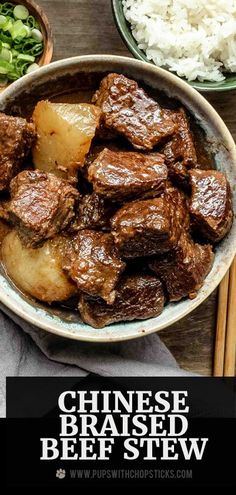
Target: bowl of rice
<point>196,40</point>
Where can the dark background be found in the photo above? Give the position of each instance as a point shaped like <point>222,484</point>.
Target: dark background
<point>33,402</point>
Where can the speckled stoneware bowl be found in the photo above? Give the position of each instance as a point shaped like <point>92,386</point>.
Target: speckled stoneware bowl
<point>124,28</point>
<point>74,77</point>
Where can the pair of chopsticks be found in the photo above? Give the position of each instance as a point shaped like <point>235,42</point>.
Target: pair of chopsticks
<point>225,343</point>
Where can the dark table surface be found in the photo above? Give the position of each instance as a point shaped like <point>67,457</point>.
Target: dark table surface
<point>83,27</point>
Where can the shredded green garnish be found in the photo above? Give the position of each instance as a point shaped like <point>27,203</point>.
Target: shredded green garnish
<point>21,42</point>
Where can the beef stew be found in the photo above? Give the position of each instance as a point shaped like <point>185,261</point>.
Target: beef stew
<point>135,221</point>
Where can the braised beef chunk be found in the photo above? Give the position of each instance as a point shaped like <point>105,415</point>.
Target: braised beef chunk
<point>4,214</point>
<point>179,205</point>
<point>180,147</point>
<point>144,228</point>
<point>138,297</point>
<point>41,205</point>
<point>105,134</point>
<point>148,227</point>
<point>94,212</point>
<point>211,204</point>
<point>128,110</point>
<point>92,261</point>
<point>127,175</point>
<point>179,175</point>
<point>92,155</point>
<point>184,269</point>
<point>118,144</point>
<point>17,136</point>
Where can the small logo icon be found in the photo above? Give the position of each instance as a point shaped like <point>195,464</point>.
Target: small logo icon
<point>60,473</point>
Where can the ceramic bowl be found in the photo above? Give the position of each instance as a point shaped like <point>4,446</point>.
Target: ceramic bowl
<point>124,28</point>
<point>71,79</point>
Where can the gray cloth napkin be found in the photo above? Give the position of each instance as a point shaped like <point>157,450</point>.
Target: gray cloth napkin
<point>29,351</point>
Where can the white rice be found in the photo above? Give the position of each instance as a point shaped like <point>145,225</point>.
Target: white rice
<point>194,38</point>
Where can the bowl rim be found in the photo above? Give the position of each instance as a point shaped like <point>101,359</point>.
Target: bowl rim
<point>203,87</point>
<point>51,325</point>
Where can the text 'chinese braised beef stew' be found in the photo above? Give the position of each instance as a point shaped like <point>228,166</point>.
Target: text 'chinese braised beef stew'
<point>107,204</point>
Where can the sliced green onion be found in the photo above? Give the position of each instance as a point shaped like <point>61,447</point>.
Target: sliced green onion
<point>3,81</point>
<point>37,35</point>
<point>32,68</point>
<point>37,50</point>
<point>8,25</point>
<point>21,12</point>
<point>5,67</point>
<point>5,38</point>
<point>28,31</point>
<point>6,45</point>
<point>30,47</point>
<point>14,52</point>
<point>21,67</point>
<point>3,20</point>
<point>26,58</point>
<point>18,30</point>
<point>6,54</point>
<point>13,76</point>
<point>32,23</point>
<point>7,8</point>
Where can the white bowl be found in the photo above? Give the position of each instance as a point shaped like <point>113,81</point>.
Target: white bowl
<point>79,73</point>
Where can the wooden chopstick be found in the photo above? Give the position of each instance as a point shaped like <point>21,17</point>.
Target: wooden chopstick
<point>221,326</point>
<point>225,342</point>
<point>230,342</point>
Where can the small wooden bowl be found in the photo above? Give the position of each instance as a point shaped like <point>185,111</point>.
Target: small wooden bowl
<point>41,17</point>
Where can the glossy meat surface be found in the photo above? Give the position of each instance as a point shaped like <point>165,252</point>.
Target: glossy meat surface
<point>93,262</point>
<point>179,175</point>
<point>180,147</point>
<point>16,139</point>
<point>138,297</point>
<point>129,111</point>
<point>41,205</point>
<point>184,269</point>
<point>179,206</point>
<point>94,212</point>
<point>98,146</point>
<point>4,205</point>
<point>211,204</point>
<point>144,228</point>
<point>128,175</point>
